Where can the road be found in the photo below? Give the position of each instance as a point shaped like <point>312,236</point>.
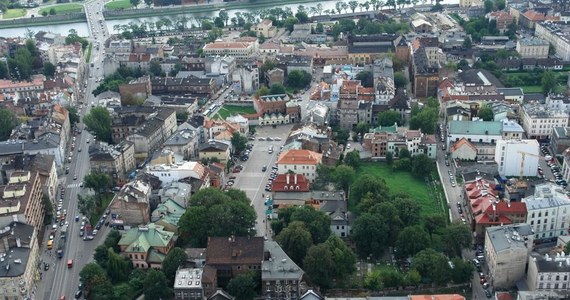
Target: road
<point>59,280</point>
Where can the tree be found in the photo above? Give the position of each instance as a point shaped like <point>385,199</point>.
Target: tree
<point>213,212</point>
<point>369,184</point>
<point>489,6</point>
<point>318,263</point>
<point>156,286</point>
<point>97,181</point>
<point>366,78</point>
<point>295,239</point>
<point>243,286</point>
<point>342,256</point>
<point>86,204</point>
<point>316,222</point>
<point>408,209</point>
<point>411,240</point>
<point>112,240</point>
<point>462,271</point>
<point>352,159</point>
<point>118,268</point>
<point>136,279</point>
<point>8,122</point>
<point>98,122</point>
<point>432,265</point>
<point>421,165</point>
<point>467,43</point>
<point>434,222</point>
<point>389,118</point>
<point>298,79</point>
<point>400,80</point>
<point>239,142</point>
<point>148,3</point>
<point>52,12</point>
<point>49,69</point>
<point>123,291</point>
<point>92,275</point>
<point>485,113</point>
<point>548,82</point>
<point>362,128</point>
<point>277,89</point>
<point>73,115</point>
<point>456,237</point>
<point>289,23</point>
<point>463,64</point>
<point>223,14</point>
<point>135,3</point>
<point>302,17</point>
<point>4,72</point>
<point>48,209</point>
<point>176,258</point>
<point>154,67</point>
<point>218,22</point>
<point>343,176</point>
<point>389,158</point>
<point>353,5</point>
<point>101,255</point>
<point>370,233</point>
<point>262,91</point>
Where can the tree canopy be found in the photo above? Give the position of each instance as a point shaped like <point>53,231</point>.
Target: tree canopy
<point>295,239</point>
<point>298,79</point>
<point>389,118</point>
<point>213,212</point>
<point>8,121</point>
<point>366,78</point>
<point>98,122</point>
<point>239,142</point>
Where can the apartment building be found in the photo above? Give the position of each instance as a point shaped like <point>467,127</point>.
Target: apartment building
<point>240,50</point>
<point>147,246</point>
<point>548,211</point>
<point>532,48</point>
<point>517,157</point>
<point>538,120</point>
<point>549,273</point>
<point>557,34</point>
<point>21,198</point>
<point>507,249</point>
<point>116,161</point>
<point>300,162</point>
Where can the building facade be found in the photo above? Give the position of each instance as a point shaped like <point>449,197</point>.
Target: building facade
<point>538,120</point>
<point>548,211</point>
<point>517,157</point>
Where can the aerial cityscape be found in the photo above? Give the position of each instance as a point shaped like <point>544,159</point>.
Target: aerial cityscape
<point>285,150</point>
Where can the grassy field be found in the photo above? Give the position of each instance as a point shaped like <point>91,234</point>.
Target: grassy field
<point>403,182</point>
<point>532,89</point>
<point>119,4</point>
<point>229,110</point>
<point>101,210</point>
<point>62,9</point>
<point>14,13</point>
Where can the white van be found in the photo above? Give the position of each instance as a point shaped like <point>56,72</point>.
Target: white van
<point>270,150</point>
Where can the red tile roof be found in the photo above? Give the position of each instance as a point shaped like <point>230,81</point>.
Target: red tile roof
<point>460,143</point>
<point>299,157</point>
<point>290,183</point>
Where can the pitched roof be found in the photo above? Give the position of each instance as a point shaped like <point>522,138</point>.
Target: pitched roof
<point>475,127</point>
<point>300,157</point>
<point>234,250</point>
<point>290,182</point>
<point>437,297</point>
<point>145,237</point>
<point>462,142</point>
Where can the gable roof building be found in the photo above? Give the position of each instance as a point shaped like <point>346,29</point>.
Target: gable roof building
<point>234,255</point>
<point>147,246</point>
<point>280,276</point>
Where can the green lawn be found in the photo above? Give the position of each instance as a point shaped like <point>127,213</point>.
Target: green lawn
<point>230,110</point>
<point>14,13</point>
<point>94,218</point>
<point>61,9</point>
<point>119,4</point>
<point>400,181</point>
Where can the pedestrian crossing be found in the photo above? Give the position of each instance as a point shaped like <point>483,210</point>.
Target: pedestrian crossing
<point>73,185</point>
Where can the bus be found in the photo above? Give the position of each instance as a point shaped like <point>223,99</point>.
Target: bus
<point>50,244</point>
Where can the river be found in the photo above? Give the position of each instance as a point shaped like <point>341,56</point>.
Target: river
<point>82,29</point>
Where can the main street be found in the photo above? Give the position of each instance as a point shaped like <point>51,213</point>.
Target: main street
<point>60,280</point>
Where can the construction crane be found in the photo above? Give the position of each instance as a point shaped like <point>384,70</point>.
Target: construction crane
<point>524,154</point>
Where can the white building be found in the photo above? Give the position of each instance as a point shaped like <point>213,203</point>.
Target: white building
<point>506,250</point>
<point>239,50</point>
<point>516,157</point>
<point>512,130</point>
<point>548,211</point>
<point>300,162</point>
<point>566,165</point>
<point>532,47</point>
<point>546,273</point>
<point>555,33</point>
<point>474,131</point>
<point>556,102</point>
<point>538,120</point>
<point>188,284</point>
<point>181,170</point>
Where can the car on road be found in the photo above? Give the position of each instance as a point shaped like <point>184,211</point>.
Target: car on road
<point>88,238</point>
<point>261,139</point>
<point>78,294</point>
<point>75,177</point>
<point>269,139</point>
<point>264,168</point>
<point>77,218</point>
<point>81,233</point>
<point>488,294</point>
<point>453,184</point>
<point>46,266</point>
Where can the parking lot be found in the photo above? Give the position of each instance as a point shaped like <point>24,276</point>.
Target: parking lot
<point>251,179</point>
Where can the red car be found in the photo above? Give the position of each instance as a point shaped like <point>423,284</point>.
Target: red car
<point>483,281</point>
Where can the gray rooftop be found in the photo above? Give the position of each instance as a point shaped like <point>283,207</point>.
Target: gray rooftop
<point>188,279</point>
<point>557,264</point>
<point>546,195</point>
<point>14,263</point>
<point>536,110</point>
<point>533,42</point>
<point>509,237</point>
<point>277,265</point>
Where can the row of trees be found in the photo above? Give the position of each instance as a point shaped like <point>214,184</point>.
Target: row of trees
<point>8,121</point>
<point>425,117</point>
<point>366,26</point>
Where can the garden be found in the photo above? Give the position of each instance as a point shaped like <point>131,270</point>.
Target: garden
<point>61,9</point>
<point>232,110</point>
<point>13,13</point>
<point>119,4</point>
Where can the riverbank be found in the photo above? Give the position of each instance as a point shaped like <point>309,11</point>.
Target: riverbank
<point>119,14</point>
